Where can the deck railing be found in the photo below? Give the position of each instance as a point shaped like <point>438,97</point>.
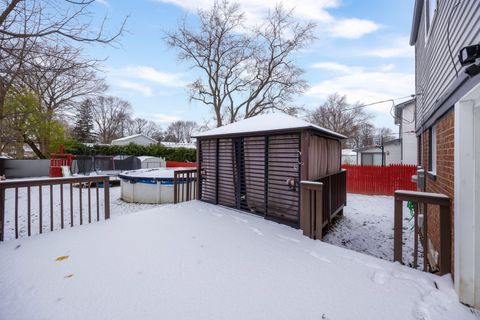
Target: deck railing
<point>80,183</point>
<point>424,198</point>
<point>334,195</point>
<point>184,185</point>
<point>322,199</point>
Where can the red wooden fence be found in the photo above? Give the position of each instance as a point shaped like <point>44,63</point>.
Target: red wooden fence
<point>376,180</point>
<point>178,164</point>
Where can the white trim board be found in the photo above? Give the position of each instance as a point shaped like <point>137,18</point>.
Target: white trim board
<point>467,191</point>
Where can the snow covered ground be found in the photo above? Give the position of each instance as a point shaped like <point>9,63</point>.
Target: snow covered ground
<point>200,261</point>
<point>367,227</point>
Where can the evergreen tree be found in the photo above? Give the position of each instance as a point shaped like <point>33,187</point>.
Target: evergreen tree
<point>83,130</point>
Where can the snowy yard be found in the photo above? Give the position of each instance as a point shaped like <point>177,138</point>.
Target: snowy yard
<point>199,261</point>
<point>367,227</point>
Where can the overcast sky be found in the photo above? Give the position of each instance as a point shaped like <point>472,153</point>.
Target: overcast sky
<point>362,51</point>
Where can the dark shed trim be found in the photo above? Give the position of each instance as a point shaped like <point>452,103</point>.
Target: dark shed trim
<point>273,132</point>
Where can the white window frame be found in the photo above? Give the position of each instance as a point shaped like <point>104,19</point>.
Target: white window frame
<point>429,16</point>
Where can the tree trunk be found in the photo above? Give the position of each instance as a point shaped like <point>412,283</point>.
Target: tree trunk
<point>34,147</point>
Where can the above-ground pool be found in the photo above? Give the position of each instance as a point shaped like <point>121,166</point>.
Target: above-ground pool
<point>148,185</point>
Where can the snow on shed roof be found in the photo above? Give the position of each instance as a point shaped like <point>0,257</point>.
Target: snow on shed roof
<point>266,122</point>
<point>133,137</point>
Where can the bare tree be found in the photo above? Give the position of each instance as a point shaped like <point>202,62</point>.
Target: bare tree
<point>337,115</point>
<point>243,73</point>
<point>365,135</point>
<point>141,126</point>
<point>181,131</point>
<point>61,77</point>
<point>385,134</point>
<point>108,114</point>
<point>27,25</point>
<point>63,19</point>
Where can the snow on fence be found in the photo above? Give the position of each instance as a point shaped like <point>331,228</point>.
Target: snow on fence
<point>27,200</point>
<point>377,180</point>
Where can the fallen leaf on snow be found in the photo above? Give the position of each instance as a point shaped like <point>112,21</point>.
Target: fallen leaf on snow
<point>61,258</point>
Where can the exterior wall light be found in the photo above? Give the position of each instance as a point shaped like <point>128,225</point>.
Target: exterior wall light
<point>469,54</point>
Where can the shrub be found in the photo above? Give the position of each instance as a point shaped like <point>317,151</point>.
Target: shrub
<point>154,150</point>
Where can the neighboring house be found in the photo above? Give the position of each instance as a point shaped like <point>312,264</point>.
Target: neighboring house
<point>139,139</point>
<point>448,127</point>
<point>405,119</point>
<point>372,155</point>
<point>349,156</point>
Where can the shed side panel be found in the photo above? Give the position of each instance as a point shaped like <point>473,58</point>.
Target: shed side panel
<point>207,158</point>
<point>254,159</point>
<point>324,157</point>
<point>226,173</point>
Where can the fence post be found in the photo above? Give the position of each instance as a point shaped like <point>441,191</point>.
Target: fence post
<point>397,234</point>
<point>175,187</point>
<point>106,200</point>
<point>2,213</point>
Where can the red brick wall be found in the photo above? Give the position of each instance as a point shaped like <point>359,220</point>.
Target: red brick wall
<point>443,182</point>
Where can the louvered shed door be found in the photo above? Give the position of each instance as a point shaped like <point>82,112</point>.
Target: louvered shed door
<point>257,174</point>
<point>283,194</point>
<point>226,173</point>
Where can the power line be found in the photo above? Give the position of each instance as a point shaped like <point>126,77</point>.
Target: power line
<point>378,102</point>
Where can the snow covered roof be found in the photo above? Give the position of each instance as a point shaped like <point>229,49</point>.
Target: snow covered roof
<point>145,158</point>
<point>348,152</point>
<point>133,137</point>
<point>179,145</point>
<point>264,123</point>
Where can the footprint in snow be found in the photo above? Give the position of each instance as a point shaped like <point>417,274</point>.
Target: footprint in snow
<point>237,219</point>
<point>287,238</point>
<point>317,256</point>
<point>260,233</point>
<point>218,215</point>
<point>380,277</point>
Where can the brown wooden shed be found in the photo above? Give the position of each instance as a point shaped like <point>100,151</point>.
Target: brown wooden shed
<point>260,165</point>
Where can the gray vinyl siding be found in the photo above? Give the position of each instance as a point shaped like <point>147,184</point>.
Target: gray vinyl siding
<point>434,68</point>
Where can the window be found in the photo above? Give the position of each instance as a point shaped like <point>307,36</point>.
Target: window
<point>419,151</point>
<point>430,11</point>
<point>432,159</point>
<point>371,159</point>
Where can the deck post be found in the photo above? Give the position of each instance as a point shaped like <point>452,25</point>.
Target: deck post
<point>305,217</point>
<point>197,181</point>
<point>106,200</point>
<point>319,213</point>
<point>397,234</point>
<point>2,213</point>
<point>445,248</point>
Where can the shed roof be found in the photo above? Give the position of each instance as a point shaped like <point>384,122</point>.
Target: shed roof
<point>271,122</point>
<point>135,136</point>
<point>376,146</point>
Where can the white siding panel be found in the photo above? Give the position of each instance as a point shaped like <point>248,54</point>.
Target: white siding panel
<point>434,68</point>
